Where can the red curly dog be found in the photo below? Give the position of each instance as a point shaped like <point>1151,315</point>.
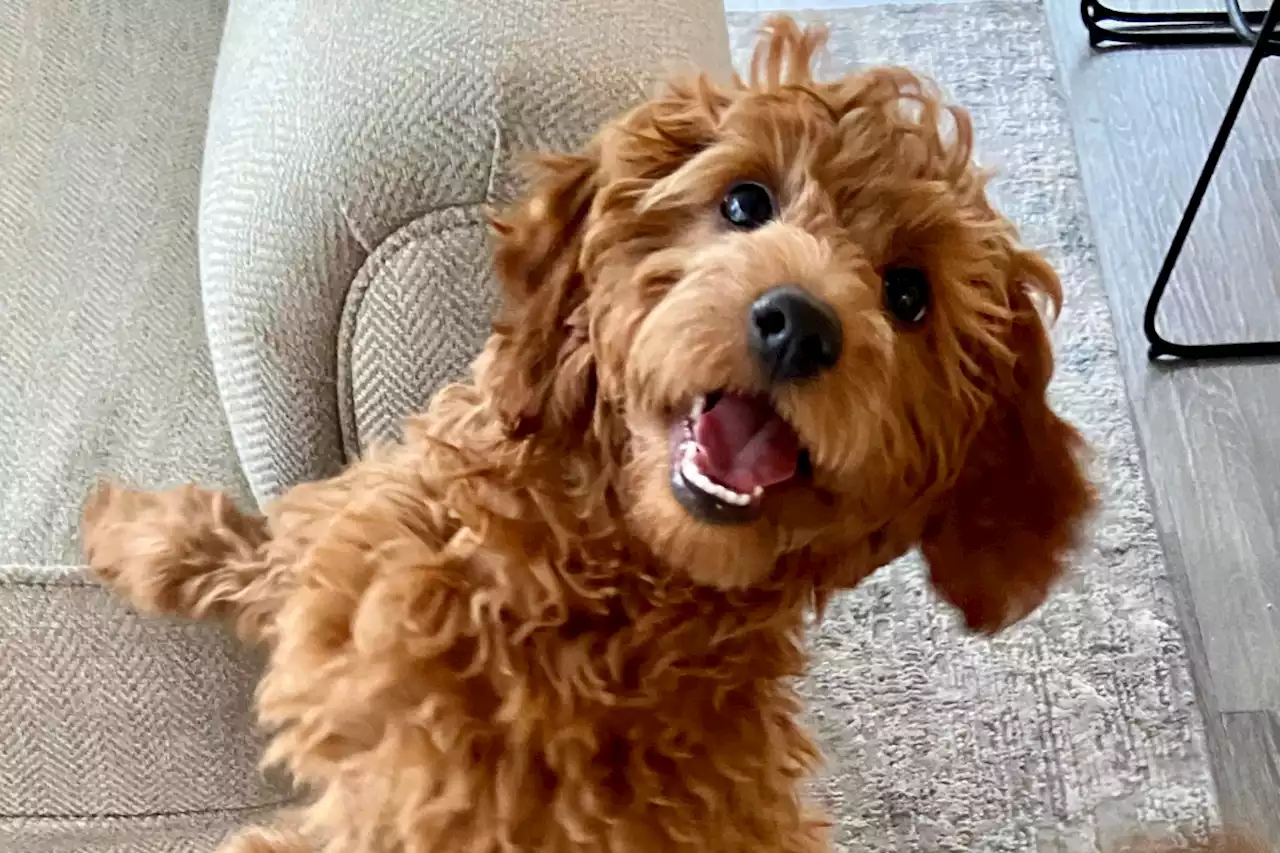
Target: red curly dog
<point>757,341</point>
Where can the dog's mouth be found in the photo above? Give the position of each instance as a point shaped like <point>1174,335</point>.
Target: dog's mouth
<point>727,452</point>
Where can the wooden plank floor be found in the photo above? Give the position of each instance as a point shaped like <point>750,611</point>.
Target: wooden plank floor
<point>1143,121</point>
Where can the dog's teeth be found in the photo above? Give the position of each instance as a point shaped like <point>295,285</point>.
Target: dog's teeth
<point>757,493</point>
<point>703,483</point>
<point>699,406</point>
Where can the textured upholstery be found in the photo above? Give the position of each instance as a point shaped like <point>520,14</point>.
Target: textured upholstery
<point>104,368</point>
<point>332,128</point>
<point>419,306</point>
<point>103,360</point>
<point>119,732</point>
<point>349,149</point>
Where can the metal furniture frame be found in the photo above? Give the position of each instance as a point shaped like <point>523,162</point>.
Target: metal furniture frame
<point>1109,28</point>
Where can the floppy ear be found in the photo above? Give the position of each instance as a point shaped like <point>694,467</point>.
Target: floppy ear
<point>999,538</point>
<point>541,373</point>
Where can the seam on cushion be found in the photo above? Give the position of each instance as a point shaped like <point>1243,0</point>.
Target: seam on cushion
<point>374,264</point>
<point>57,567</point>
<point>62,582</point>
<point>126,816</point>
<point>50,585</point>
<point>495,162</point>
<point>355,231</point>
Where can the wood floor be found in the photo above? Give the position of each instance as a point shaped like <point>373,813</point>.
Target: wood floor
<point>1143,121</point>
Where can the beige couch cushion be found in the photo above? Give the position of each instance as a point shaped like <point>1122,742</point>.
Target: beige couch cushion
<point>111,726</point>
<point>332,127</point>
<point>419,308</point>
<point>335,125</point>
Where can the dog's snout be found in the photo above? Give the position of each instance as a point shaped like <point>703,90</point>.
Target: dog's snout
<point>794,335</point>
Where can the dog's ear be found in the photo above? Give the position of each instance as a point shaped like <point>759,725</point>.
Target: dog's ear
<point>999,538</point>
<point>541,372</point>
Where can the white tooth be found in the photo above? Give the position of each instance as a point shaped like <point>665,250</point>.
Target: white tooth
<point>689,470</point>
<point>692,474</point>
<point>699,406</point>
<point>757,493</point>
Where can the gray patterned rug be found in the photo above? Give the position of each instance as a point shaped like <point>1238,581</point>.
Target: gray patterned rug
<point>1080,725</point>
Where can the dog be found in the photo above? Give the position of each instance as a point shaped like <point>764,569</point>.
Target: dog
<point>756,340</point>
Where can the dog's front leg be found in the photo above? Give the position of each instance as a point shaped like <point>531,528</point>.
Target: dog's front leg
<point>191,552</point>
<point>186,552</point>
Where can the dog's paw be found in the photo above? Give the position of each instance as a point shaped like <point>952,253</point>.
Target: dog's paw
<point>154,549</point>
<point>121,546</point>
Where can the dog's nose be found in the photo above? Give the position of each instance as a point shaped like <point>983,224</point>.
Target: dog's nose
<point>794,335</point>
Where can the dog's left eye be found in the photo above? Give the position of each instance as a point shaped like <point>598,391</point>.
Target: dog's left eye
<point>747,205</point>
<point>906,294</point>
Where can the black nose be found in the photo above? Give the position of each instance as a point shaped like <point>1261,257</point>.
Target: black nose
<point>793,335</point>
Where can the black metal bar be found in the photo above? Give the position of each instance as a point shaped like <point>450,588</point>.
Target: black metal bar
<point>1160,346</point>
<point>1113,27</point>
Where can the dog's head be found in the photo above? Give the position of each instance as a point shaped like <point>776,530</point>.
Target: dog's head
<point>788,311</point>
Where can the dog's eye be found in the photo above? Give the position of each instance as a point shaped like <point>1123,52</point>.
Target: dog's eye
<point>747,205</point>
<point>906,294</point>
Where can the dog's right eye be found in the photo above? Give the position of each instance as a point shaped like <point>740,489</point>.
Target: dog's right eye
<point>747,205</point>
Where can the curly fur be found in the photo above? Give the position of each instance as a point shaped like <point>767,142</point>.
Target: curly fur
<point>502,633</point>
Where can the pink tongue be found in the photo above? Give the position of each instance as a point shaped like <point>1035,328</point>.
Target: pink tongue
<point>742,444</point>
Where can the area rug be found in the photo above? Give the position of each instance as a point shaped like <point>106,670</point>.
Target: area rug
<point>1079,726</point>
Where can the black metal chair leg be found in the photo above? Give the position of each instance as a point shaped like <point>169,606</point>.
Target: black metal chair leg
<point>1110,27</point>
<point>1160,347</point>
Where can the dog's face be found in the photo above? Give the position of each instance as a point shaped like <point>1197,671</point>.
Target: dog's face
<point>788,311</point>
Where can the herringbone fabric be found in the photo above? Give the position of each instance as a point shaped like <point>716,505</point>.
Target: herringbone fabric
<point>116,733</point>
<point>418,311</point>
<point>119,733</point>
<point>334,125</point>
<point>108,712</point>
<point>199,832</point>
<point>104,366</point>
<point>349,142</point>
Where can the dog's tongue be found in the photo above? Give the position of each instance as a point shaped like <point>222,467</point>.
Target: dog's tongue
<point>742,444</point>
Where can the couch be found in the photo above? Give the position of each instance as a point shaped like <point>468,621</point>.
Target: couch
<point>238,241</point>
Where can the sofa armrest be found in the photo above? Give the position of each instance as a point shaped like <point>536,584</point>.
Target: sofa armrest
<point>335,124</point>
